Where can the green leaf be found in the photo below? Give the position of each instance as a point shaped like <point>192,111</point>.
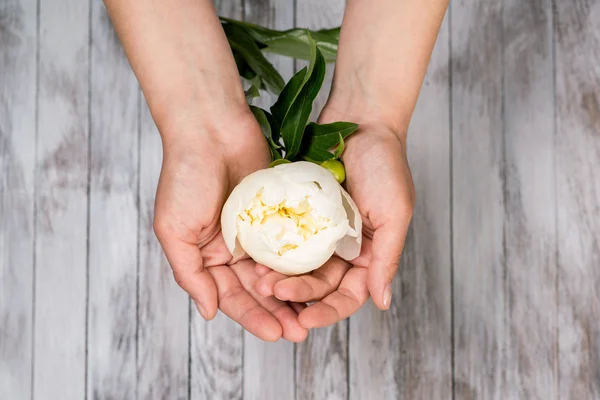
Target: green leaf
<point>252,93</point>
<point>257,32</point>
<point>318,155</point>
<point>270,130</point>
<point>321,138</point>
<point>300,108</point>
<point>247,50</point>
<point>293,42</point>
<point>288,94</point>
<point>340,149</point>
<point>296,44</point>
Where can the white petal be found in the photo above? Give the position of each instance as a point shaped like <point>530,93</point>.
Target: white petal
<point>238,200</point>
<point>308,257</point>
<point>229,217</point>
<point>304,171</point>
<point>349,246</point>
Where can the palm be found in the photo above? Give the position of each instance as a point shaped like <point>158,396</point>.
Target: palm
<point>195,181</point>
<point>379,180</point>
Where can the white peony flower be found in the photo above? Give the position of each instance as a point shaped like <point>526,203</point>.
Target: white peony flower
<point>292,218</point>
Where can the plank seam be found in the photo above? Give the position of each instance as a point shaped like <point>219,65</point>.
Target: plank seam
<point>138,229</point>
<point>189,367</point>
<point>451,200</point>
<point>506,317</point>
<point>35,194</point>
<point>556,230</point>
<point>88,217</point>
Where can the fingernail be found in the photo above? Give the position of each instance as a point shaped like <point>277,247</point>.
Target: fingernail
<point>201,309</point>
<point>387,296</point>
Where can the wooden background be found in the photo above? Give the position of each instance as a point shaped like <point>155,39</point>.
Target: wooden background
<point>498,295</point>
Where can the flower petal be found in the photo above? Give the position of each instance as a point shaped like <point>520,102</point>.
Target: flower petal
<point>237,201</point>
<point>304,171</point>
<point>349,246</point>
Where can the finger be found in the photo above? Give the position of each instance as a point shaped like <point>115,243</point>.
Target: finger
<point>285,314</point>
<point>264,286</point>
<point>388,242</point>
<point>189,272</point>
<point>314,286</point>
<point>339,305</point>
<point>262,270</point>
<point>215,252</point>
<point>240,306</point>
<point>366,252</point>
<point>298,307</point>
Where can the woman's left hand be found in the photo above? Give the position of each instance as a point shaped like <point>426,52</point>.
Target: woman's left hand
<point>379,181</point>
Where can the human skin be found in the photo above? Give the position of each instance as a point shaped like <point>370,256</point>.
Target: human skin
<point>384,50</point>
<point>181,58</point>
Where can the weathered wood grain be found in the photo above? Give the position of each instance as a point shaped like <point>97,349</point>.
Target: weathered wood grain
<point>216,352</point>
<point>578,196</point>
<point>18,36</point>
<point>322,364</point>
<point>113,230</point>
<point>216,358</point>
<point>322,360</point>
<point>530,228</point>
<point>478,200</point>
<point>269,367</point>
<point>405,353</point>
<point>62,201</point>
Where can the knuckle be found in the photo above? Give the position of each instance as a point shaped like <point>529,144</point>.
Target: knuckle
<point>179,279</point>
<point>407,207</point>
<point>160,227</point>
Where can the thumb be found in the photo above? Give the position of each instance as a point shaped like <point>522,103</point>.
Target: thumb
<point>387,245</point>
<point>189,272</point>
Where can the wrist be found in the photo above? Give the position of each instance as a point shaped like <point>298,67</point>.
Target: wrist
<point>355,108</point>
<point>231,135</point>
<point>198,118</point>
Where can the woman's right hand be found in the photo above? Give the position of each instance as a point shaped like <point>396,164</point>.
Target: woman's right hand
<point>200,169</point>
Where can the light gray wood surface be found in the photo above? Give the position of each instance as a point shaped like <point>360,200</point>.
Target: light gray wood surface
<point>577,42</point>
<point>62,201</point>
<point>18,75</point>
<point>113,203</point>
<point>478,204</point>
<point>497,293</point>
<point>530,223</point>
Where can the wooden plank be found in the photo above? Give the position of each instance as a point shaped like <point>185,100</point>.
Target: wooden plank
<point>113,229</point>
<point>216,358</point>
<point>269,367</point>
<point>322,360</point>
<point>322,364</point>
<point>405,352</point>
<point>478,200</point>
<point>216,352</point>
<point>578,196</point>
<point>62,201</point>
<point>530,226</point>
<point>18,36</point>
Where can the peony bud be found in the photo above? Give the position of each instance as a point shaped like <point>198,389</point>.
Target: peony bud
<point>336,168</point>
<point>292,218</point>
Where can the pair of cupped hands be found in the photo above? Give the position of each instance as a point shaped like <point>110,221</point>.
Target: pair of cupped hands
<point>201,166</point>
